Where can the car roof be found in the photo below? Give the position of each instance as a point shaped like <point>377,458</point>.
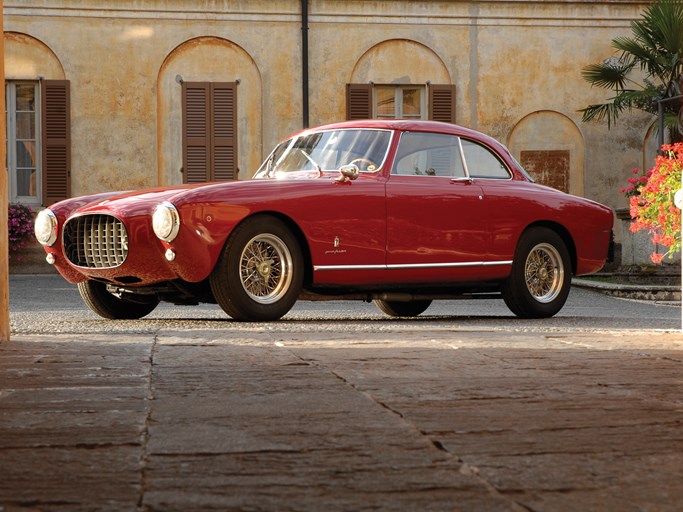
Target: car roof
<point>408,125</point>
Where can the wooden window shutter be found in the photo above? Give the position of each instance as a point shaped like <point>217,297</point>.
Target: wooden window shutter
<point>196,122</point>
<point>223,131</point>
<point>209,132</point>
<point>358,101</point>
<point>442,102</point>
<point>56,140</point>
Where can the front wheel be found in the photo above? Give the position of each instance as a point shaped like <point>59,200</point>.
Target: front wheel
<point>259,276</point>
<point>113,307</point>
<point>395,308</point>
<point>539,283</point>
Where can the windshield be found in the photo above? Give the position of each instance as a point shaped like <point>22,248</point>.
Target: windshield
<point>328,151</point>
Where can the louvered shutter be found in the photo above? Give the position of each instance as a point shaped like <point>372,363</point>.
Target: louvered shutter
<point>196,138</point>
<point>209,131</point>
<point>358,101</point>
<point>56,140</point>
<point>223,127</point>
<point>442,102</point>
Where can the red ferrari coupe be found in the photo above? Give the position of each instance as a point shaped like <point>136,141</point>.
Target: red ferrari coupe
<point>396,212</point>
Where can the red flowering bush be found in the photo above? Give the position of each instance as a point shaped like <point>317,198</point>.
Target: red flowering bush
<point>635,183</point>
<point>653,207</point>
<point>20,227</point>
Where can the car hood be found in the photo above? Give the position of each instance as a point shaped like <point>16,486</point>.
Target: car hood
<point>133,202</point>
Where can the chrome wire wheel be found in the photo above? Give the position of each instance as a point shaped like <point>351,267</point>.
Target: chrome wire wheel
<point>544,273</point>
<point>266,268</point>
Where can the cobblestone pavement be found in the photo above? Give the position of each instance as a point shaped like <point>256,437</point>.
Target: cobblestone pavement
<point>408,417</point>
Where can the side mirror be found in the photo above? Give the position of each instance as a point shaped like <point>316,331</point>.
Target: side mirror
<point>348,172</point>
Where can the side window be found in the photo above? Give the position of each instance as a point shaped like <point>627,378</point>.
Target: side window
<point>428,154</point>
<point>482,162</point>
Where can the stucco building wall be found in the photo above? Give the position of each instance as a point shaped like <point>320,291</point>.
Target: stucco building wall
<point>515,66</point>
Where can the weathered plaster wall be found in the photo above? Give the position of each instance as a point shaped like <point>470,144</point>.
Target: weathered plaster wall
<point>509,60</point>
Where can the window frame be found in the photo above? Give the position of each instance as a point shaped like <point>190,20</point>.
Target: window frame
<point>11,142</point>
<point>398,101</point>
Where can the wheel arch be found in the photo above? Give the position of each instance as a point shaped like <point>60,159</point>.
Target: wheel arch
<point>563,233</point>
<point>298,234</point>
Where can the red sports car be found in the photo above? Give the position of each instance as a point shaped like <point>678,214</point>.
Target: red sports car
<point>396,212</point>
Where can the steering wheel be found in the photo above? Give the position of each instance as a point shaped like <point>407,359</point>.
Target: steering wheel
<point>371,166</point>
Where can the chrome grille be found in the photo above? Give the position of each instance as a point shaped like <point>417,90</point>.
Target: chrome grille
<point>95,241</point>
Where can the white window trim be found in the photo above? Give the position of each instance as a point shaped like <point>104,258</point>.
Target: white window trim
<point>398,101</point>
<point>11,123</point>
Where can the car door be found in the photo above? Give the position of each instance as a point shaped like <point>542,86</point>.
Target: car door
<point>436,216</point>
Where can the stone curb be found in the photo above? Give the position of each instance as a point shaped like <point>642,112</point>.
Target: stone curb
<point>633,291</point>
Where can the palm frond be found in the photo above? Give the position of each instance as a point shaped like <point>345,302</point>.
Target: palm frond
<point>655,47</point>
<point>605,76</point>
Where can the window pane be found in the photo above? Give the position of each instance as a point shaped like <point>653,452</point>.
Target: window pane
<point>26,97</point>
<point>482,163</point>
<point>26,153</point>
<point>26,182</point>
<point>26,125</point>
<point>386,101</point>
<point>411,102</point>
<point>332,149</point>
<point>428,154</point>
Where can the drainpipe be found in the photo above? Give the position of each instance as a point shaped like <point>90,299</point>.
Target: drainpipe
<point>304,60</point>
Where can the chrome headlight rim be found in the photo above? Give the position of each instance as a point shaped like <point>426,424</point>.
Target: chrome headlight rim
<point>166,222</point>
<point>45,227</point>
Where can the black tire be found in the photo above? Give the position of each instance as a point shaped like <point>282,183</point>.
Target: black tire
<point>259,276</point>
<point>539,283</point>
<point>395,308</point>
<point>100,301</point>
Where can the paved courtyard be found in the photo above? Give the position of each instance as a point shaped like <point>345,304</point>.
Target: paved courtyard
<point>400,417</point>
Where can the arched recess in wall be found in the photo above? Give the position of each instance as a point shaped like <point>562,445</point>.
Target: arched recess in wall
<point>400,61</point>
<point>551,148</point>
<point>34,73</point>
<point>28,58</point>
<point>402,78</point>
<point>208,60</point>
<point>651,146</point>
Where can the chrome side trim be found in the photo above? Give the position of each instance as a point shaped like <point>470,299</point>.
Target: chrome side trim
<point>406,266</point>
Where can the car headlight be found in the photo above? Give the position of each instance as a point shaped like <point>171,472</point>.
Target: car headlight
<point>45,227</point>
<point>166,222</point>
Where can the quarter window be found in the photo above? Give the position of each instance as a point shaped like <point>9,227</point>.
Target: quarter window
<point>482,163</point>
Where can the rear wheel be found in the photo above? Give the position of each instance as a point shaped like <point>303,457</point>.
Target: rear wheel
<point>259,276</point>
<point>539,283</point>
<point>396,308</point>
<point>127,307</point>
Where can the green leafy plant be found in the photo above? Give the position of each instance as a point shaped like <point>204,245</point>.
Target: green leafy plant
<point>653,209</point>
<point>654,52</point>
<point>19,228</point>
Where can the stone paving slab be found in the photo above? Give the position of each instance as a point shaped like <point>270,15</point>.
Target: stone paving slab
<point>269,420</point>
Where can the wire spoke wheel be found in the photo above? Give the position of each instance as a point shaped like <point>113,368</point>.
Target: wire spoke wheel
<point>544,273</point>
<point>266,268</point>
<point>540,278</point>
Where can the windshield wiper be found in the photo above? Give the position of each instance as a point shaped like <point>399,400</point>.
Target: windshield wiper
<point>315,164</point>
